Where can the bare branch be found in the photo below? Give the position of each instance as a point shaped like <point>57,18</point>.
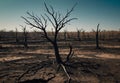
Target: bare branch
<point>70,54</point>
<point>58,22</point>
<point>50,20</point>
<point>67,14</point>
<point>51,13</point>
<point>69,78</point>
<point>29,23</point>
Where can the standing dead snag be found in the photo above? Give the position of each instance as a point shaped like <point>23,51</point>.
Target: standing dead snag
<point>79,34</point>
<point>65,35</point>
<point>16,36</point>
<point>97,37</point>
<point>25,42</point>
<point>57,21</point>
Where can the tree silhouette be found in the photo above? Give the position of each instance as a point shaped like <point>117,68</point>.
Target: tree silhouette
<point>25,43</point>
<point>16,36</point>
<point>65,35</point>
<point>58,22</point>
<point>97,37</point>
<point>79,34</point>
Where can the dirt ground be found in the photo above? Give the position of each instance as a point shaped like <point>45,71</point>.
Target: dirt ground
<point>89,65</point>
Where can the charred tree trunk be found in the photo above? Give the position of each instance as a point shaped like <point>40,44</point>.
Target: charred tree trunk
<point>0,44</point>
<point>119,37</point>
<point>25,38</point>
<point>57,55</point>
<point>16,36</point>
<point>78,35</point>
<point>58,22</point>
<point>97,37</point>
<point>65,35</point>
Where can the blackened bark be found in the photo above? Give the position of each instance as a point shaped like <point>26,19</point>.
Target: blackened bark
<point>78,35</point>
<point>65,35</point>
<point>57,55</point>
<point>16,36</point>
<point>25,38</point>
<point>56,19</point>
<point>97,37</point>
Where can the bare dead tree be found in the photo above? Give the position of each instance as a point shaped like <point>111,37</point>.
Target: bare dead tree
<point>25,37</point>
<point>79,34</point>
<point>119,34</point>
<point>58,22</point>
<point>0,44</point>
<point>16,36</point>
<point>97,37</point>
<point>65,35</point>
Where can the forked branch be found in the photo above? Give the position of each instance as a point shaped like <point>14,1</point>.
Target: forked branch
<point>58,21</point>
<point>69,78</point>
<point>70,54</point>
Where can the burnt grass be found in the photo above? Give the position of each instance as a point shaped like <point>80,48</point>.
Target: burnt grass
<point>42,68</point>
